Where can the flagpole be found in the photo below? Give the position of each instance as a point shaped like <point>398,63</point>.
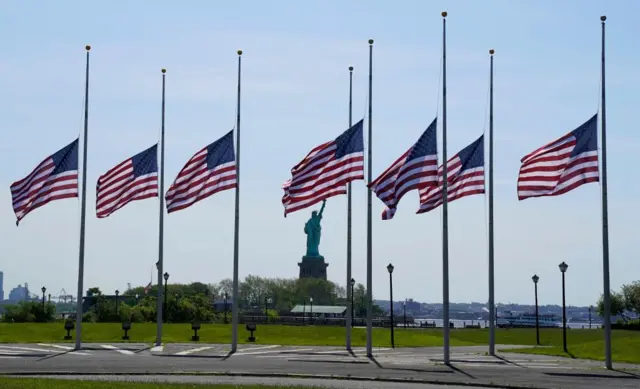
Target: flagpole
<point>349,320</point>
<point>445,200</point>
<point>83,208</point>
<point>159,303</point>
<point>236,233</point>
<point>492,323</point>
<point>369,215</point>
<point>605,220</point>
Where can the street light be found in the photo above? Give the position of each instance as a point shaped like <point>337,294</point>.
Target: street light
<point>404,313</point>
<point>266,306</point>
<point>226,298</point>
<point>590,308</point>
<point>535,279</point>
<point>311,310</point>
<point>353,309</point>
<point>563,269</point>
<point>117,294</point>
<point>390,270</point>
<point>43,291</point>
<point>164,306</point>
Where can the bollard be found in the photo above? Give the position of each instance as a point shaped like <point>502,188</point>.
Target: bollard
<point>68,326</point>
<point>126,326</point>
<point>195,326</point>
<point>251,327</point>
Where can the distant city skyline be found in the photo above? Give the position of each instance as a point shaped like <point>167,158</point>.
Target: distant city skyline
<point>294,97</point>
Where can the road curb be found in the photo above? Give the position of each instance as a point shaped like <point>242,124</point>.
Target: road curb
<point>276,375</point>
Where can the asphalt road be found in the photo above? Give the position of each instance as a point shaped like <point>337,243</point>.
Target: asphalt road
<point>319,383</point>
<point>311,365</point>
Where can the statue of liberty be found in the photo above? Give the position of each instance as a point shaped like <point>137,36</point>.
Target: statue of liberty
<point>313,230</point>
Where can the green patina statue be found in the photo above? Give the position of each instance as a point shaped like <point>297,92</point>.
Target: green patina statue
<point>313,230</point>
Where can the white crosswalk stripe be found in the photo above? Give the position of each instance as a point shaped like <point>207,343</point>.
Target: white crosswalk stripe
<point>193,350</point>
<point>114,348</point>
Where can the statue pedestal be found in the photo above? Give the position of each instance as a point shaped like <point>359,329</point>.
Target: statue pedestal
<point>313,267</point>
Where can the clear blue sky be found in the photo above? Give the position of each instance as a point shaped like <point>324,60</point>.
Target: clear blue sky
<point>295,89</point>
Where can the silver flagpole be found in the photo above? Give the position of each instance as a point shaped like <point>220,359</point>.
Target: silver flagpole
<point>492,323</point>
<point>160,264</point>
<point>349,320</point>
<point>369,230</point>
<point>605,220</point>
<point>83,208</point>
<point>445,200</point>
<point>236,231</point>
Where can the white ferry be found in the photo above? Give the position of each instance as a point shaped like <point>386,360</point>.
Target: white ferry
<point>528,320</point>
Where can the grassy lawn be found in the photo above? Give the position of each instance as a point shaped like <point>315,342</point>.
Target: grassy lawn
<point>625,346</point>
<point>220,333</point>
<point>20,383</point>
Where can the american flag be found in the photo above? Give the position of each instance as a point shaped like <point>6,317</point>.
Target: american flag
<point>562,165</point>
<point>211,170</point>
<point>54,178</point>
<point>465,177</point>
<point>325,171</point>
<point>134,179</point>
<point>416,168</point>
<point>147,288</point>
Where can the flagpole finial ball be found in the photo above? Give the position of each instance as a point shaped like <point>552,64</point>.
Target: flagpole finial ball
<point>87,47</point>
<point>239,52</point>
<point>444,14</point>
<point>163,71</point>
<point>603,18</point>
<point>350,68</point>
<point>492,51</point>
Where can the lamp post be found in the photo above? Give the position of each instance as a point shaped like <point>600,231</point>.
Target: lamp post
<point>404,313</point>
<point>43,291</point>
<point>353,309</point>
<point>590,308</point>
<point>117,294</point>
<point>390,270</point>
<point>137,298</point>
<point>164,306</point>
<point>563,269</point>
<point>304,310</point>
<point>535,279</point>
<point>311,310</point>
<point>267,301</point>
<point>226,307</point>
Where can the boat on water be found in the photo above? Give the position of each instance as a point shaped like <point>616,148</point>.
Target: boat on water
<point>527,320</point>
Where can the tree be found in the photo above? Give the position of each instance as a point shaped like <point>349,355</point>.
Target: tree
<point>95,291</point>
<point>631,294</point>
<point>28,311</point>
<point>617,305</point>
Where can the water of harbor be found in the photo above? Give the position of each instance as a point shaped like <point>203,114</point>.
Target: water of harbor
<point>485,323</point>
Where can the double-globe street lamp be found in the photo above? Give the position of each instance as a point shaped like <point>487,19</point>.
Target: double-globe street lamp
<point>535,279</point>
<point>563,269</point>
<point>390,270</point>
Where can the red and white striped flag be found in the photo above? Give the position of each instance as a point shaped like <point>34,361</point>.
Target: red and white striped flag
<point>325,171</point>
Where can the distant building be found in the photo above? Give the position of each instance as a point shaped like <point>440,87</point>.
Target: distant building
<point>19,293</point>
<point>1,286</point>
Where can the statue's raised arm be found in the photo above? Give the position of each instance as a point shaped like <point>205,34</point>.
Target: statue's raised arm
<point>324,202</point>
